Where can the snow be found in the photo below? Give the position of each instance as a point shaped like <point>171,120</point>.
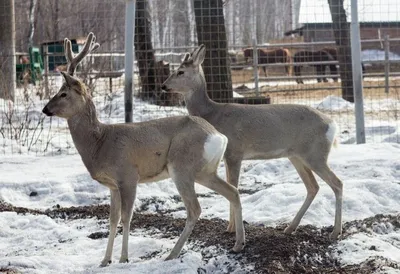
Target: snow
<point>377,55</point>
<point>334,103</point>
<point>39,244</point>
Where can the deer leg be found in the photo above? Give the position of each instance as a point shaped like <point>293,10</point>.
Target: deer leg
<point>312,190</point>
<point>127,188</point>
<point>232,167</point>
<point>326,174</point>
<point>115,215</point>
<point>215,183</point>
<point>186,190</point>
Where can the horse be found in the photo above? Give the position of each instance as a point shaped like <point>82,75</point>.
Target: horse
<point>280,55</point>
<point>315,56</point>
<point>333,51</point>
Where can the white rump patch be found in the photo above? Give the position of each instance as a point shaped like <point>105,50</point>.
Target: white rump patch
<point>214,148</point>
<point>331,133</point>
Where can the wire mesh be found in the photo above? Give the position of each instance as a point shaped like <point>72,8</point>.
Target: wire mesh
<point>277,52</point>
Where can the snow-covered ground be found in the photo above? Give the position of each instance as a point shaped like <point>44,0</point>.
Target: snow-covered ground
<point>273,194</point>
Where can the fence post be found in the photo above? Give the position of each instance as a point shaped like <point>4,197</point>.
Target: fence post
<point>357,74</point>
<point>387,63</point>
<point>255,66</point>
<point>46,73</point>
<point>129,31</point>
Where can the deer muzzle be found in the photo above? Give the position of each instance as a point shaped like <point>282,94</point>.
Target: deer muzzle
<point>47,111</point>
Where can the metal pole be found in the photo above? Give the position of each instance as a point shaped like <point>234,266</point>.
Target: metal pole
<point>255,67</point>
<point>387,64</point>
<point>129,58</point>
<point>46,72</point>
<point>357,73</point>
<point>255,51</point>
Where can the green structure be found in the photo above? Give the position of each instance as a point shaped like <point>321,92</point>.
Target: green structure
<point>35,67</point>
<point>55,51</point>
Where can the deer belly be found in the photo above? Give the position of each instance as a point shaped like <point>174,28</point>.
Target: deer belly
<point>264,155</point>
<point>154,177</point>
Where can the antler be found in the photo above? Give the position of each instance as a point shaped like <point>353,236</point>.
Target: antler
<point>72,60</point>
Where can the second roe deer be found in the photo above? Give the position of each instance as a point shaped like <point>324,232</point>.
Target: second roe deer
<point>300,133</point>
<point>185,148</point>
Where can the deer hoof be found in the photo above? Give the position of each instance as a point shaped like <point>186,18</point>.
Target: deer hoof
<point>288,230</point>
<point>170,257</point>
<point>105,263</point>
<point>238,247</point>
<point>334,236</point>
<point>123,260</point>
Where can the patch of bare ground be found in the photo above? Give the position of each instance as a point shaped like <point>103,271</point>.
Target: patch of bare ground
<point>271,251</point>
<point>6,270</point>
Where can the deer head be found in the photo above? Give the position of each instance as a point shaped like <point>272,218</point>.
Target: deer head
<point>189,75</point>
<point>72,96</point>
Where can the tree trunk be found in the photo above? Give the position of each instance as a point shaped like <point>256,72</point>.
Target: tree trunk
<point>210,25</point>
<point>341,33</point>
<point>144,50</point>
<point>7,50</point>
<point>32,19</point>
<point>55,20</point>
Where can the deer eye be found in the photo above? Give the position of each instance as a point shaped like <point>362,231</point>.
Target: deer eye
<point>63,95</point>
<point>180,72</point>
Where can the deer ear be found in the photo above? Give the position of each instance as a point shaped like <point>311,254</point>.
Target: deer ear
<point>198,55</point>
<point>70,80</point>
<point>186,57</point>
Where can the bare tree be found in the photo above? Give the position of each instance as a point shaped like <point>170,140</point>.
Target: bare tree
<point>55,16</point>
<point>246,24</point>
<point>342,37</point>
<point>7,50</point>
<point>210,25</point>
<point>144,50</point>
<point>32,8</point>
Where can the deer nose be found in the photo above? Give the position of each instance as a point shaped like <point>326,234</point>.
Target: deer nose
<point>164,87</point>
<point>46,111</point>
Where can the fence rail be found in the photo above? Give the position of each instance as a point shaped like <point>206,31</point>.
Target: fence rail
<point>306,44</point>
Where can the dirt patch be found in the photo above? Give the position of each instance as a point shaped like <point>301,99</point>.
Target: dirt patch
<point>271,251</point>
<point>6,270</point>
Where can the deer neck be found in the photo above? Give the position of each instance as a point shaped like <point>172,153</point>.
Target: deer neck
<point>197,101</point>
<point>87,132</point>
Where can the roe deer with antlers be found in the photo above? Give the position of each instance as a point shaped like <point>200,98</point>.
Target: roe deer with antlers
<point>185,148</point>
<point>300,133</point>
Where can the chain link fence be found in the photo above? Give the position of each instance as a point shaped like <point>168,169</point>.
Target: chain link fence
<point>268,52</point>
